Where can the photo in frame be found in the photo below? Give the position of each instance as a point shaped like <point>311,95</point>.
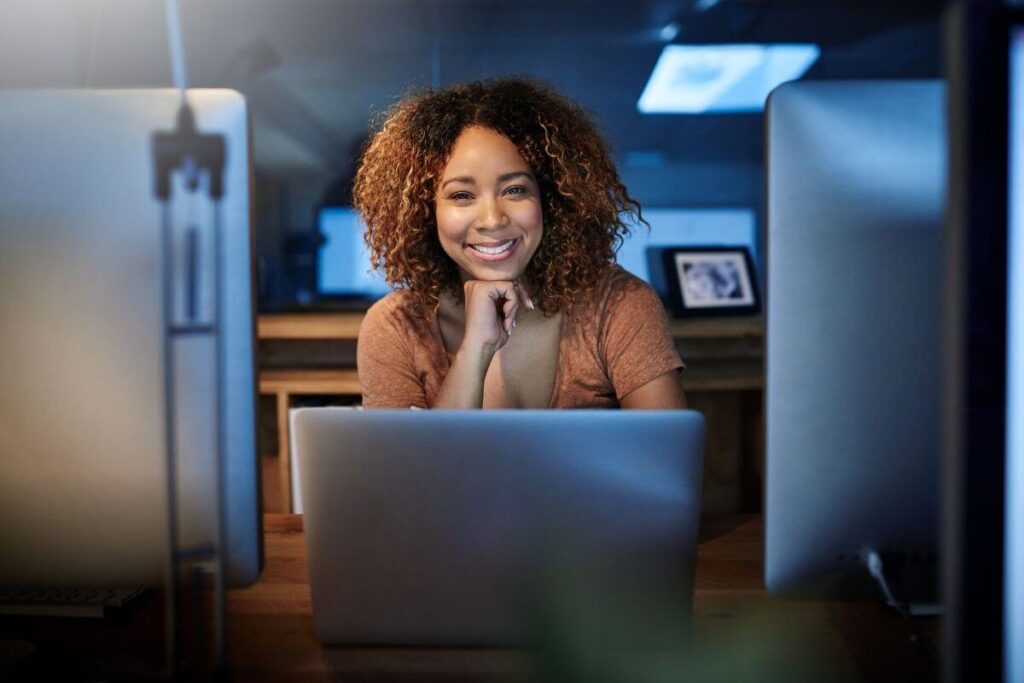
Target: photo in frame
<point>711,281</point>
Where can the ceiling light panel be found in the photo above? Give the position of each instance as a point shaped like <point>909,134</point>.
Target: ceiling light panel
<point>696,79</point>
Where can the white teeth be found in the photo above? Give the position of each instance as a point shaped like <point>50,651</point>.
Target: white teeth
<point>493,251</point>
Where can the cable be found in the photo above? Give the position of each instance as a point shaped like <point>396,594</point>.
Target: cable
<point>187,151</point>
<point>178,74</point>
<point>876,569</point>
<point>171,615</point>
<point>90,61</point>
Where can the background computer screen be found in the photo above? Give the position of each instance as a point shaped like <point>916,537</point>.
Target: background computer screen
<point>343,261</point>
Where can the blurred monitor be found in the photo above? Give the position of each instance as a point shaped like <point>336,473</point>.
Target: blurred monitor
<point>82,459</point>
<point>984,445</point>
<point>856,177</point>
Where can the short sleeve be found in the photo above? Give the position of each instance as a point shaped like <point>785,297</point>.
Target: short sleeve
<point>635,340</point>
<point>385,361</point>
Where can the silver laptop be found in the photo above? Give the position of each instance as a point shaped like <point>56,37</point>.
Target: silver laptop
<point>452,527</point>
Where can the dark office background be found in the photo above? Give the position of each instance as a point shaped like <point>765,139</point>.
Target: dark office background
<point>316,71</point>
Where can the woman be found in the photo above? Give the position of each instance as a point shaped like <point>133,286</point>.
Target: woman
<point>495,209</point>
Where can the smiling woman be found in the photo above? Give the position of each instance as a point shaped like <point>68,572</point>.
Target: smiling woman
<point>494,208</point>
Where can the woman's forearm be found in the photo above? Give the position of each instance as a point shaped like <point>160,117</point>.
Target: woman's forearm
<point>463,387</point>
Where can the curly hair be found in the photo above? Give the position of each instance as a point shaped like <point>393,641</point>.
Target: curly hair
<point>582,198</point>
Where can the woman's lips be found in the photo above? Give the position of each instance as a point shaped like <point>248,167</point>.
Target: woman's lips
<point>509,247</point>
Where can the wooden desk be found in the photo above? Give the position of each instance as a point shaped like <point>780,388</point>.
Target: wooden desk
<point>740,633</point>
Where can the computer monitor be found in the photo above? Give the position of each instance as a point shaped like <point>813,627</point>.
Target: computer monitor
<point>856,177</point>
<point>343,259</point>
<point>82,461</point>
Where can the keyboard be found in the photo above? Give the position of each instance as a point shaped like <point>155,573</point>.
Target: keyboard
<point>62,602</point>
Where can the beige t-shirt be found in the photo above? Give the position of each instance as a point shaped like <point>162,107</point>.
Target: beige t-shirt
<point>616,340</point>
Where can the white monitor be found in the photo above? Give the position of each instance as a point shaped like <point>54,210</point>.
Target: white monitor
<point>82,468</point>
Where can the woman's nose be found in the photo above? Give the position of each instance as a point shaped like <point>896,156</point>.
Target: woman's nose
<point>491,215</point>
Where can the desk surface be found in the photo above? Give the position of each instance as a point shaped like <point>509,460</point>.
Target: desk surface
<point>740,633</point>
<point>738,627</point>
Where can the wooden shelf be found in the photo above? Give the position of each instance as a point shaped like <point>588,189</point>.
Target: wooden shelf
<point>717,328</point>
<point>309,381</point>
<point>309,325</point>
<point>346,326</point>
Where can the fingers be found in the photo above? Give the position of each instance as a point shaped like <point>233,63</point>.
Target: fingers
<point>524,296</point>
<point>505,300</point>
<point>508,300</point>
<point>509,310</point>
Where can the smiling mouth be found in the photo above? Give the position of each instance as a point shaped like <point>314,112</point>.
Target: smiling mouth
<point>495,251</point>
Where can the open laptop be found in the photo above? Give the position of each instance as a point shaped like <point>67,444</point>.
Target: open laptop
<point>462,527</point>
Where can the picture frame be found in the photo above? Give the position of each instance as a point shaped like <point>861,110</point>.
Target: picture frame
<point>711,281</point>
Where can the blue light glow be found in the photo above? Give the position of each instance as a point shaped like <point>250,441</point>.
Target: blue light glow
<point>696,79</point>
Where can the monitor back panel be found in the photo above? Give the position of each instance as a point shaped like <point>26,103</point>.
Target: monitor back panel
<point>856,181</point>
<point>82,473</point>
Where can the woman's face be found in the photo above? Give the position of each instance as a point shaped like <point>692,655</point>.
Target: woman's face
<point>488,208</point>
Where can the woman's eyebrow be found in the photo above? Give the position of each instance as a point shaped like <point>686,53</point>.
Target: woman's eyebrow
<point>514,174</point>
<point>504,177</point>
<point>460,179</point>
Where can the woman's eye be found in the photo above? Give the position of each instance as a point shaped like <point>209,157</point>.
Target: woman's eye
<point>460,196</point>
<point>516,190</point>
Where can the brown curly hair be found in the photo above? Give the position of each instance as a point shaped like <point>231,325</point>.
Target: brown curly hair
<point>582,197</point>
